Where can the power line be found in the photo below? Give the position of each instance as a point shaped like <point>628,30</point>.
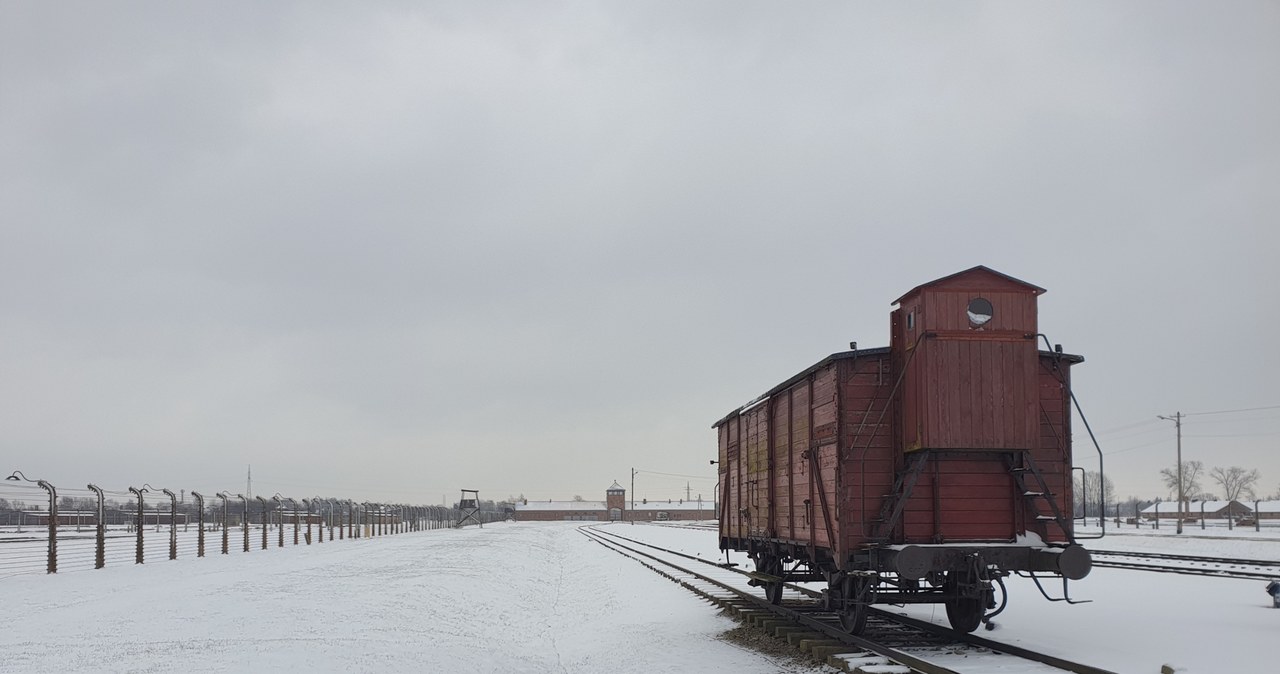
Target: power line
<point>1130,449</point>
<point>691,477</point>
<point>1238,420</point>
<point>1246,409</point>
<point>1229,435</point>
<point>1126,436</point>
<point>1129,426</point>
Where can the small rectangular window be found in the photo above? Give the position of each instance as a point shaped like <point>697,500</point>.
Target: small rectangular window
<point>911,320</point>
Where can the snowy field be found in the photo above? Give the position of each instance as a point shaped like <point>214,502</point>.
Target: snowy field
<point>539,597</point>
<point>526,597</point>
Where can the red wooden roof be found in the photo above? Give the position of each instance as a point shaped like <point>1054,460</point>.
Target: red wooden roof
<point>978,270</point>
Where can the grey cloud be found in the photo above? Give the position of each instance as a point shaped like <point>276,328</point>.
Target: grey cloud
<point>409,247</point>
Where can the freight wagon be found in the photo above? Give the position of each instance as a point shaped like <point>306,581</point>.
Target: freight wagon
<point>924,472</point>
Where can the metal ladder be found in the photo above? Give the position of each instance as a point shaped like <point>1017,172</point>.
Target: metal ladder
<point>1035,491</point>
<point>895,501</point>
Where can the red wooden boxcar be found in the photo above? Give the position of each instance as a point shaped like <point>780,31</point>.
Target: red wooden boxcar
<point>924,472</point>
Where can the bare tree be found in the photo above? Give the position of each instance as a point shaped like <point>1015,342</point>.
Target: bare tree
<point>1190,480</point>
<point>1235,481</point>
<point>1088,497</point>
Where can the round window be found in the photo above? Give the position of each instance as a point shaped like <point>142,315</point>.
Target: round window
<point>980,312</point>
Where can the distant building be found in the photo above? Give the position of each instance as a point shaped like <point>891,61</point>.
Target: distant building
<point>1268,510</point>
<point>615,507</point>
<point>1213,510</point>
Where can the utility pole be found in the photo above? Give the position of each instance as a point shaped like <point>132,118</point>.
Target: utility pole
<point>633,496</point>
<point>248,485</point>
<point>1177,422</point>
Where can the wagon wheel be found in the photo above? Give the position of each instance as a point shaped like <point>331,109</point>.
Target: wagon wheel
<point>772,566</point>
<point>853,614</point>
<point>964,613</point>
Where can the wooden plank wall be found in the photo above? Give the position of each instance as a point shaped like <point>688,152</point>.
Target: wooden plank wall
<point>976,500</point>
<point>966,387</point>
<point>867,443</point>
<point>947,310</point>
<point>1053,452</point>
<point>731,469</point>
<point>799,515</point>
<point>784,468</point>
<point>971,496</point>
<point>756,455</point>
<point>824,454</point>
<point>980,393</point>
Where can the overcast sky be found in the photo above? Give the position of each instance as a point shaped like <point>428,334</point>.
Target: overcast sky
<point>391,250</point>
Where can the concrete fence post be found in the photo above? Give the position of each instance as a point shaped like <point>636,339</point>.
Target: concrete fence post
<point>224,496</point>
<point>137,559</point>
<point>199,523</point>
<point>244,519</point>
<point>52,565</point>
<point>100,538</point>
<point>279,520</point>
<point>266,522</point>
<point>307,503</point>
<point>173,523</point>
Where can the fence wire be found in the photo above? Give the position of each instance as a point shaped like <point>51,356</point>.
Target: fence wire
<point>46,529</point>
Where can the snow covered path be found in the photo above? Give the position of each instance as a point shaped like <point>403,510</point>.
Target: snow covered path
<point>526,597</point>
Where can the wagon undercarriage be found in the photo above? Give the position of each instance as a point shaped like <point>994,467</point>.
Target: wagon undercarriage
<point>961,577</point>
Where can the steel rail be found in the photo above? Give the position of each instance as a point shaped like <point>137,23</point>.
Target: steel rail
<point>1186,558</point>
<point>904,659</point>
<point>1186,570</point>
<point>840,635</point>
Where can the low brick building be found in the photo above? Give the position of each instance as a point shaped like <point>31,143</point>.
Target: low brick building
<point>1194,510</point>
<point>615,507</point>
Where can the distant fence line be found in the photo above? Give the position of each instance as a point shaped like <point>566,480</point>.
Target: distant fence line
<point>45,528</point>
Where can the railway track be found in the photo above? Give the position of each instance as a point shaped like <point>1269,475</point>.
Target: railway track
<point>889,639</point>
<point>1219,567</point>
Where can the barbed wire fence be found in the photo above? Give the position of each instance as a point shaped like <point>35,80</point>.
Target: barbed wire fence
<point>48,529</point>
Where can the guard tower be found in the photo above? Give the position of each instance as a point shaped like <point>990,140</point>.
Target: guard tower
<point>615,498</point>
<point>470,507</point>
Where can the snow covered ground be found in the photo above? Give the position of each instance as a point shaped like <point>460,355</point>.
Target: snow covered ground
<point>539,597</point>
<point>529,597</point>
<point>1137,621</point>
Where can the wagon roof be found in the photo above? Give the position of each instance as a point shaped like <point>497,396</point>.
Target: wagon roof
<point>980,268</point>
<point>879,351</point>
